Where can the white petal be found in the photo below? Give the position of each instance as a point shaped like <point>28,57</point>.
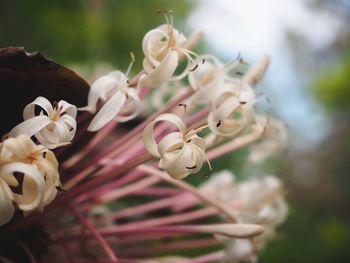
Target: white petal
<point>152,43</point>
<point>108,111</point>
<point>148,135</point>
<point>99,88</point>
<point>33,185</point>
<point>131,108</point>
<point>6,207</point>
<point>161,73</point>
<point>70,109</point>
<point>29,110</point>
<point>170,142</point>
<point>177,164</point>
<point>30,126</point>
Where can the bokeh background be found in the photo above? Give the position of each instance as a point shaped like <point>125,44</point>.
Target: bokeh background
<point>307,86</point>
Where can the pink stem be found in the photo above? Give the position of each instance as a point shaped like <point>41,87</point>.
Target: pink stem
<point>144,208</point>
<point>96,234</point>
<point>173,229</point>
<point>134,175</point>
<point>27,251</point>
<point>157,191</point>
<point>172,219</point>
<point>96,140</point>
<point>118,193</point>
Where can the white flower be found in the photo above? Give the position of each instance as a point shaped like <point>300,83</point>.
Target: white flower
<point>273,141</point>
<point>54,126</point>
<point>163,47</point>
<point>121,103</point>
<point>180,152</point>
<point>232,109</point>
<point>20,157</point>
<point>257,201</point>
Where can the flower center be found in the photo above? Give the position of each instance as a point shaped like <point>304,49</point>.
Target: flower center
<point>57,112</point>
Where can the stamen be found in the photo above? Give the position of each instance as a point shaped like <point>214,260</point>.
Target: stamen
<point>191,167</point>
<point>242,102</point>
<point>242,61</point>
<point>203,60</point>
<point>164,11</point>
<point>62,113</point>
<point>55,105</point>
<point>132,57</point>
<point>201,128</point>
<point>168,19</point>
<point>218,124</point>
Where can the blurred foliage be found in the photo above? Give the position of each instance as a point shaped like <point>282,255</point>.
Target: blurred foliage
<point>312,234</point>
<point>333,87</point>
<point>84,32</point>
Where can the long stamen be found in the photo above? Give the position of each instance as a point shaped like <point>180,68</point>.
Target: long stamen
<point>132,57</point>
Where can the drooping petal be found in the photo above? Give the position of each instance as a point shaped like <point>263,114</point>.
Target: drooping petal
<point>131,107</point>
<point>108,111</point>
<point>100,88</point>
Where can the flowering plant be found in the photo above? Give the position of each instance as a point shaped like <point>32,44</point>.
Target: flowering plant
<point>108,203</point>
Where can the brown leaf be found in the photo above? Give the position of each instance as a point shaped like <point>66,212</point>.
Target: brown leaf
<point>25,76</point>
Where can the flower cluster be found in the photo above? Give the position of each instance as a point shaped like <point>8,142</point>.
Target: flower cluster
<point>103,210</point>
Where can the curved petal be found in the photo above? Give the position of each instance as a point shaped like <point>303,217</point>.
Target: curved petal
<point>152,43</point>
<point>70,109</point>
<point>30,126</point>
<point>161,73</point>
<point>148,135</point>
<point>6,206</point>
<point>170,142</point>
<point>178,164</point>
<point>131,108</point>
<point>33,185</point>
<point>100,86</point>
<point>29,110</point>
<point>108,111</point>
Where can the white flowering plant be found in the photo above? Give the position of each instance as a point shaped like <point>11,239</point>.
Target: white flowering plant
<point>127,201</point>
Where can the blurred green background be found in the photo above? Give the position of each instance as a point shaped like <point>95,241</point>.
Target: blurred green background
<point>308,85</point>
